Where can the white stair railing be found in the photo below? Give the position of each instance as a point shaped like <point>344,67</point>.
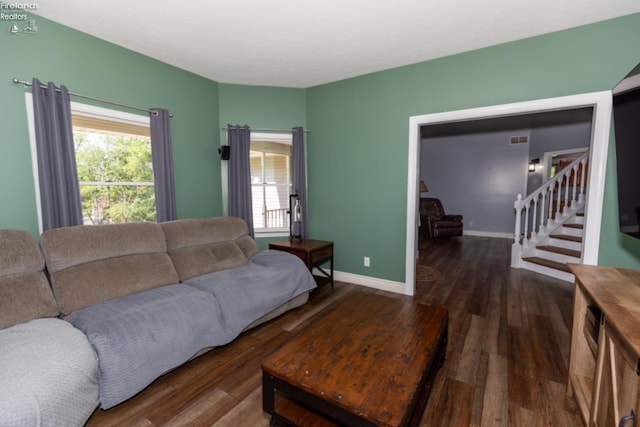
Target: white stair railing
<point>540,213</point>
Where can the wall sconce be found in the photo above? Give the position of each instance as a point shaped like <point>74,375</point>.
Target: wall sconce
<point>423,187</point>
<point>532,164</point>
<point>295,217</point>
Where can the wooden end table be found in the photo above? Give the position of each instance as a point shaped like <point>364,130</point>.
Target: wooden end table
<point>370,361</point>
<point>313,253</point>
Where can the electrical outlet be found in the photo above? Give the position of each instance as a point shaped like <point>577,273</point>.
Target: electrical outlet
<point>367,261</point>
<point>471,223</point>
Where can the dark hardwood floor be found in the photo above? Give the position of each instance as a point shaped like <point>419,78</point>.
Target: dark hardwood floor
<point>507,355</point>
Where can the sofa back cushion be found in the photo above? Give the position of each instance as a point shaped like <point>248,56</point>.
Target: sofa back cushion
<point>89,264</point>
<point>25,293</point>
<point>204,245</point>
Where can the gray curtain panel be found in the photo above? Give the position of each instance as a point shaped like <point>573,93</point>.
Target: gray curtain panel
<point>299,179</point>
<point>239,199</point>
<point>57,173</point>
<point>162,159</point>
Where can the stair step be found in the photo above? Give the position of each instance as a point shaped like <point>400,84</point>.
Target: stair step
<point>578,226</point>
<point>562,251</point>
<point>548,263</point>
<point>576,239</point>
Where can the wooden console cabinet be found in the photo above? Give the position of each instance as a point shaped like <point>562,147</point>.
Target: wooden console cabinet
<point>604,363</point>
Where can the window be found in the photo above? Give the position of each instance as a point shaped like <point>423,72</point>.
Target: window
<point>113,157</point>
<point>270,162</point>
<point>115,170</point>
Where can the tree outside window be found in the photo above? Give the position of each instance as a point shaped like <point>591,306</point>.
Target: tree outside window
<point>115,171</point>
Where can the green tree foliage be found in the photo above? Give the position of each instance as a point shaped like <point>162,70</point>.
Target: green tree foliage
<point>106,163</point>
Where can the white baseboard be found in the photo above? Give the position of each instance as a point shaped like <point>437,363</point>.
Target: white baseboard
<point>371,282</point>
<point>487,234</point>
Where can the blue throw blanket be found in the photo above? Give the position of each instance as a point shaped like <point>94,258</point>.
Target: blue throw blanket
<point>246,293</point>
<point>141,336</point>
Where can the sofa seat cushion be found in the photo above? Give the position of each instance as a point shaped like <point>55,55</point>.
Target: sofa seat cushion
<point>48,375</point>
<point>447,224</point>
<point>141,336</point>
<point>246,293</point>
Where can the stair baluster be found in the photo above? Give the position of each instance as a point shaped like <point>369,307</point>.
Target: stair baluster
<point>544,211</point>
<point>534,217</point>
<point>583,181</point>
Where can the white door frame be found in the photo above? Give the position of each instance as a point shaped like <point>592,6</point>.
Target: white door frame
<point>601,103</point>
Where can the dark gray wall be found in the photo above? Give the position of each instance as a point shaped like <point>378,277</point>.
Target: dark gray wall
<point>474,170</point>
<point>555,138</point>
<point>477,176</point>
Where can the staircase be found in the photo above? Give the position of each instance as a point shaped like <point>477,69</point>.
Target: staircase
<point>551,255</point>
<point>549,223</point>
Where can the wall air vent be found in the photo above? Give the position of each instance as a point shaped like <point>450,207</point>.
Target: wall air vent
<point>519,140</point>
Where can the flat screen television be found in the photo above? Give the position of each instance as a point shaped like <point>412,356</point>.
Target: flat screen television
<point>626,125</point>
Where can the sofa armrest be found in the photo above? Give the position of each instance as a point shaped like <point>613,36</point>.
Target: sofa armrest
<point>49,375</point>
<point>452,218</point>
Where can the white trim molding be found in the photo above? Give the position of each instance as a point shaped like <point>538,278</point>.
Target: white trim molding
<point>93,111</point>
<point>601,102</point>
<point>493,234</point>
<point>370,282</point>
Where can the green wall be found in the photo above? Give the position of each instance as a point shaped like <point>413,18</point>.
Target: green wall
<point>357,151</point>
<point>93,67</point>
<point>262,106</point>
<point>358,171</point>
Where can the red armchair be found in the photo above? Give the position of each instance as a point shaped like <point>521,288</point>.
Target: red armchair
<point>434,222</point>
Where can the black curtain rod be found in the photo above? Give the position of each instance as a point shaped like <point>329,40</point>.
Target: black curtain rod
<point>21,82</point>
<point>271,130</point>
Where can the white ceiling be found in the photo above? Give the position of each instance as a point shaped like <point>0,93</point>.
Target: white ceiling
<point>303,43</point>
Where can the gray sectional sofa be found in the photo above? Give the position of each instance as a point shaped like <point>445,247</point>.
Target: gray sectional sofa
<point>48,369</point>
<point>123,304</point>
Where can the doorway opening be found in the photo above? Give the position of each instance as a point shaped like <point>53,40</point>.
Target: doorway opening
<point>601,103</point>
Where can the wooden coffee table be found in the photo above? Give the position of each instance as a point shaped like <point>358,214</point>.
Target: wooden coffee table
<point>370,361</point>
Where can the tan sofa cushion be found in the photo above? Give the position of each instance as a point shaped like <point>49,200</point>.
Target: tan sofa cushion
<point>24,289</point>
<point>95,263</point>
<point>204,245</point>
